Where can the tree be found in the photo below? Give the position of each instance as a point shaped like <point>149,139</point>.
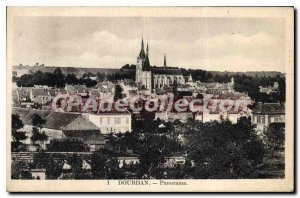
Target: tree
<point>19,170</point>
<point>90,83</point>
<point>67,145</point>
<point>275,135</point>
<point>37,136</point>
<point>105,165</point>
<point>174,89</point>
<point>224,150</point>
<point>71,79</point>
<point>118,93</point>
<point>52,164</point>
<point>38,121</point>
<point>17,134</point>
<point>59,77</point>
<point>151,164</point>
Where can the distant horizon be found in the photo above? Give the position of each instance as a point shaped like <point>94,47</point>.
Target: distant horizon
<point>82,67</point>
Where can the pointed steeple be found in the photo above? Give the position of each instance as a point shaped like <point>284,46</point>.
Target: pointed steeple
<point>165,61</point>
<point>190,78</point>
<point>147,49</point>
<point>146,65</point>
<point>142,52</point>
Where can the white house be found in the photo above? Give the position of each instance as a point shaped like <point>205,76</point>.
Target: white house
<point>112,121</point>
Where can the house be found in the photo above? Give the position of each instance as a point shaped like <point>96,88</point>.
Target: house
<point>81,128</point>
<point>40,96</point>
<point>55,92</point>
<point>27,120</point>
<point>264,114</point>
<point>270,89</point>
<point>215,87</point>
<point>172,116</point>
<point>81,90</point>
<point>74,125</point>
<point>171,161</point>
<point>112,121</point>
<point>217,114</point>
<point>61,125</point>
<point>38,174</point>
<point>127,160</point>
<point>23,94</point>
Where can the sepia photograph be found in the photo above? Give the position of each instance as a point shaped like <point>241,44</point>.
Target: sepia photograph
<point>150,99</point>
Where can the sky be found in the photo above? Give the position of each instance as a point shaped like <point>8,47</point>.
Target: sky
<point>217,44</point>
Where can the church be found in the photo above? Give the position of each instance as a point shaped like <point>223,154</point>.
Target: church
<point>151,78</point>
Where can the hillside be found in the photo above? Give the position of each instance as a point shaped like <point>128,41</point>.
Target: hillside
<point>79,71</point>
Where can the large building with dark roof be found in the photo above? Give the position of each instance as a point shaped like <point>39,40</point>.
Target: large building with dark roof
<point>151,78</point>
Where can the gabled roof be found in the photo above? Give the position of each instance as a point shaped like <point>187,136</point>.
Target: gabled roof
<point>81,124</point>
<point>59,120</point>
<point>75,88</point>
<point>20,111</point>
<point>27,119</point>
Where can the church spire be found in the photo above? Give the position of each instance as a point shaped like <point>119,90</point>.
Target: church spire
<point>147,49</point>
<point>165,61</point>
<point>142,52</point>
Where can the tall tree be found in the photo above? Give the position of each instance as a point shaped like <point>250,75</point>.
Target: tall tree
<point>59,77</point>
<point>37,135</point>
<point>17,134</point>
<point>275,135</point>
<point>118,93</point>
<point>71,79</point>
<point>105,165</point>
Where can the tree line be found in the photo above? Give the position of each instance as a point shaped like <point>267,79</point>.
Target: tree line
<point>55,79</point>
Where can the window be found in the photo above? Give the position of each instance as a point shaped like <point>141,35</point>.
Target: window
<point>127,120</point>
<point>262,120</point>
<point>117,120</point>
<point>92,147</point>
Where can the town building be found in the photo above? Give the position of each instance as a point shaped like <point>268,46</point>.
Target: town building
<point>270,89</point>
<point>60,125</point>
<point>264,114</point>
<point>40,96</point>
<point>112,121</point>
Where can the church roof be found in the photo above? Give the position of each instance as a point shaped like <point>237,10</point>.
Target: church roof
<point>166,71</point>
